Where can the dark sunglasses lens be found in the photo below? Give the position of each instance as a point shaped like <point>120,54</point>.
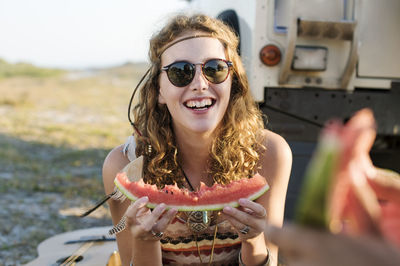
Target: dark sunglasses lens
<point>181,73</point>
<point>216,71</point>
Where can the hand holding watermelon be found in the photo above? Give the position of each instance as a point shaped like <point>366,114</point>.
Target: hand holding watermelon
<point>300,246</point>
<point>249,219</point>
<point>145,224</point>
<point>344,191</point>
<point>250,216</point>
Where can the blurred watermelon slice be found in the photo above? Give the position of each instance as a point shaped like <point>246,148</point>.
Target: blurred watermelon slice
<point>312,204</point>
<point>343,191</point>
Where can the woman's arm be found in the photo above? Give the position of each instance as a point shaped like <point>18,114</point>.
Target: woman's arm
<point>144,251</point>
<point>275,166</point>
<point>114,163</point>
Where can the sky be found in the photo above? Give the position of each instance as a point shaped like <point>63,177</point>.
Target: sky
<point>81,33</point>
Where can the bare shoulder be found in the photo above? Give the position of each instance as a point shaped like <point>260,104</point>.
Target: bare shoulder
<point>276,147</point>
<point>114,163</point>
<point>276,160</point>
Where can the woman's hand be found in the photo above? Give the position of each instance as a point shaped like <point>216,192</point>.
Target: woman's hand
<point>249,219</point>
<point>146,224</point>
<point>303,246</point>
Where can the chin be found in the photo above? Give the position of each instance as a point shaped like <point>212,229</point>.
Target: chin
<point>203,128</point>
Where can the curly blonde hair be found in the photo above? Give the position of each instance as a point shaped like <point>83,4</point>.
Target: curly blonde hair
<point>234,153</point>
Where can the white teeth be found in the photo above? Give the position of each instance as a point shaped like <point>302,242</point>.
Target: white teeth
<point>199,104</point>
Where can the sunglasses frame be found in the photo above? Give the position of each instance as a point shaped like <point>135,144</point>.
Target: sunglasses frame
<point>193,65</point>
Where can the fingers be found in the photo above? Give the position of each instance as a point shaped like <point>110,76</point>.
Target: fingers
<point>136,209</point>
<point>249,220</point>
<point>253,208</point>
<point>160,218</point>
<point>164,221</point>
<point>150,220</point>
<point>145,224</point>
<point>237,217</point>
<point>250,213</point>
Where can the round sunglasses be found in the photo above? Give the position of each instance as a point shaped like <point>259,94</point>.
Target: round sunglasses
<point>181,73</point>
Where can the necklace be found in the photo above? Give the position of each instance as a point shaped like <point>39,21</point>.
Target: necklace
<point>198,221</point>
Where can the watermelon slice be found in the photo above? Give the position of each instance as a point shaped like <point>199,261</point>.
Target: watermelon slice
<point>343,191</point>
<point>312,204</point>
<point>206,198</point>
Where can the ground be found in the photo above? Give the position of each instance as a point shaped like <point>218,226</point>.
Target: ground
<point>55,131</point>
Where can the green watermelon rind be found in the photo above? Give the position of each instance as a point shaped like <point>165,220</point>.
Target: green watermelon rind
<point>208,207</point>
<point>311,208</point>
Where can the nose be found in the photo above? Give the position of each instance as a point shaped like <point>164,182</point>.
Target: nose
<point>199,82</point>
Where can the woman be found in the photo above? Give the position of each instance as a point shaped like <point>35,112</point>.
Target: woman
<point>197,122</point>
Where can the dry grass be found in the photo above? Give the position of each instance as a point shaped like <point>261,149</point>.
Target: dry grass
<point>54,135</point>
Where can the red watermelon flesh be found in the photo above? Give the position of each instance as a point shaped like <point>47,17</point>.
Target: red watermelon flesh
<point>364,199</point>
<point>350,191</point>
<point>390,222</point>
<point>349,194</point>
<point>206,198</point>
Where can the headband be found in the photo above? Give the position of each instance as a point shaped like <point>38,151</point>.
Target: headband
<point>187,38</point>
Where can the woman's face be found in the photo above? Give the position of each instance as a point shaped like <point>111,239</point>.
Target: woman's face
<point>199,106</point>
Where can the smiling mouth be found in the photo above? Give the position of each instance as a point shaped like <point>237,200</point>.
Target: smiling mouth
<point>200,105</point>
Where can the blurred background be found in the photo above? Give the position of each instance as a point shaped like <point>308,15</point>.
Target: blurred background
<point>67,70</point>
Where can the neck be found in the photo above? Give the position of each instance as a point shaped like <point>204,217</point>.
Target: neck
<point>194,156</point>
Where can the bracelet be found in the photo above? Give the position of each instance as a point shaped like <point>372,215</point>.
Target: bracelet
<point>267,263</point>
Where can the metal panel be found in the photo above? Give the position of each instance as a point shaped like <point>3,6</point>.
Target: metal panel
<point>310,108</point>
<point>379,54</point>
<point>330,10</point>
